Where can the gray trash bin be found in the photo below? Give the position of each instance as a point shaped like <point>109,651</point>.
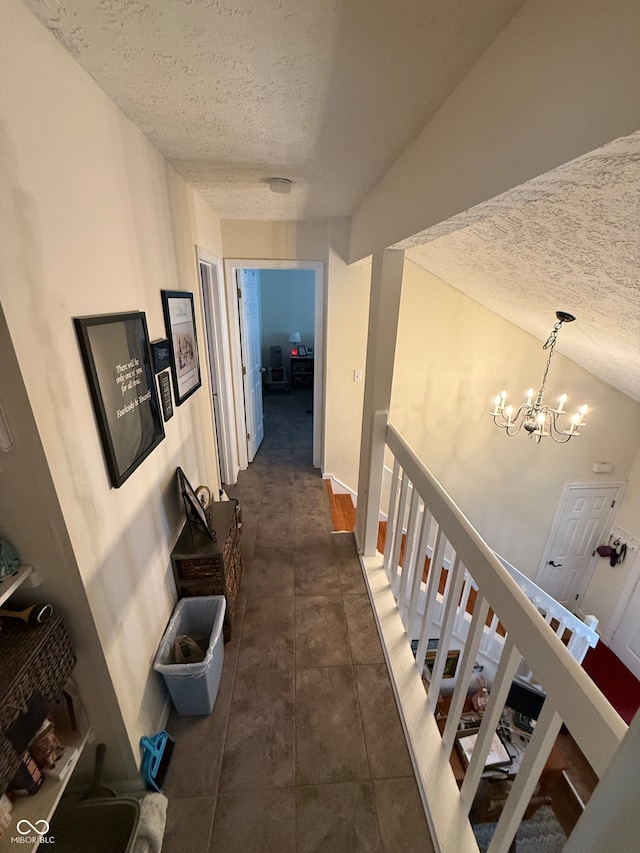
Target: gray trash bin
<point>194,686</point>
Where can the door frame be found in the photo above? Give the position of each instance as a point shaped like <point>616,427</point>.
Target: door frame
<point>214,308</point>
<point>558,518</point>
<point>232,266</point>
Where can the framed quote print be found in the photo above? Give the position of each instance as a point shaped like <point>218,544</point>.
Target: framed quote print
<point>117,362</point>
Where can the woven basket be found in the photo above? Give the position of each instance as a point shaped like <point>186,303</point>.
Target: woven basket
<point>33,659</point>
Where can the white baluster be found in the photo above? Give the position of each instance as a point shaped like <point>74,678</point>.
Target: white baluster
<point>391,517</point>
<point>409,563</point>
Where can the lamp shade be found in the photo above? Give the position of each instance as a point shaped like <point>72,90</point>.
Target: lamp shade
<point>294,338</point>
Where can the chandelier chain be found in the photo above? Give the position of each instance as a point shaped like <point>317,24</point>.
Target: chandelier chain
<point>550,343</point>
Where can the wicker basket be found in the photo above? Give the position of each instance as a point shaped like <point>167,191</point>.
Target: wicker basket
<point>33,659</point>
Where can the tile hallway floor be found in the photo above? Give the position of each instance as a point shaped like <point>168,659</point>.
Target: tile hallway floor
<point>303,751</point>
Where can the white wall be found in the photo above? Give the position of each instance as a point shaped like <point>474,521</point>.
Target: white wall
<point>287,305</point>
<point>609,582</point>
<point>347,319</point>
<point>560,80</point>
<point>94,221</point>
<point>453,356</point>
<point>275,241</point>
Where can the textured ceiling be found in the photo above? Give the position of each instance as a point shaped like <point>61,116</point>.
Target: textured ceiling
<point>325,92</point>
<point>568,240</point>
<point>329,93</point>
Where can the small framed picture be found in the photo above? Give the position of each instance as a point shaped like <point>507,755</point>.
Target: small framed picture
<point>165,395</point>
<point>302,350</point>
<point>203,493</point>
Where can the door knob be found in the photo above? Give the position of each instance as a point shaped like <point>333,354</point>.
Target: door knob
<point>555,565</point>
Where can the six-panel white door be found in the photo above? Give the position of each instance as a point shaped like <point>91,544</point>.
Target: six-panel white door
<point>578,527</point>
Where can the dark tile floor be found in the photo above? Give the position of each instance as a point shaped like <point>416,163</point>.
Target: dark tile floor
<point>303,751</point>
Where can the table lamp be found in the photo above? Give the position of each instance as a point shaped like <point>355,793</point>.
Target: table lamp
<point>294,338</point>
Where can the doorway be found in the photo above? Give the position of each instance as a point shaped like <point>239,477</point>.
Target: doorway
<point>585,511</point>
<point>623,629</point>
<point>235,271</point>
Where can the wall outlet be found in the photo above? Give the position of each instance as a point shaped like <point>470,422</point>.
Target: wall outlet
<point>357,376</point>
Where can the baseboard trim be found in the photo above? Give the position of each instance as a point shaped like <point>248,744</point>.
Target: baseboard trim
<point>339,488</point>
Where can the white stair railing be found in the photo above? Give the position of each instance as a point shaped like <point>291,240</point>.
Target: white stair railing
<point>525,635</point>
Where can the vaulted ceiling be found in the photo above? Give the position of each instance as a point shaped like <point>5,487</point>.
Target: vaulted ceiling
<point>329,93</point>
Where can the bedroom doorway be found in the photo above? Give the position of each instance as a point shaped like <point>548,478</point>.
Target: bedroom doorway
<point>245,408</point>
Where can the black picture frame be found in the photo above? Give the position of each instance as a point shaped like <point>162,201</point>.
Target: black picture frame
<point>164,383</point>
<point>195,510</point>
<point>117,363</point>
<point>161,355</point>
<point>180,324</point>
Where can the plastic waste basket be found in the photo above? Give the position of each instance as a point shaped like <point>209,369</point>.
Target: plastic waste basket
<point>194,686</point>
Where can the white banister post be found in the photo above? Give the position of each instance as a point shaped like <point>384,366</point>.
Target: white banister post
<point>384,310</point>
<point>611,820</point>
<point>374,489</point>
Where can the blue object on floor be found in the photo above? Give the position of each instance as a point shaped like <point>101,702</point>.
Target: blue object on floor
<point>157,751</point>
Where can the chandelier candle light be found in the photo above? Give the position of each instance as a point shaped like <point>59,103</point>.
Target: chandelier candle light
<point>539,420</point>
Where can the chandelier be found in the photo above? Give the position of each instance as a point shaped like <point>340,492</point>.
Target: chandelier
<point>537,419</point>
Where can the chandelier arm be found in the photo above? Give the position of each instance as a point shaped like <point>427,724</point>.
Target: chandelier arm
<point>562,440</point>
<point>553,428</point>
<point>510,429</point>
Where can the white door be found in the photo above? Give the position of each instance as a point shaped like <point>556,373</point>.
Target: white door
<point>250,340</point>
<point>577,530</point>
<point>626,640</point>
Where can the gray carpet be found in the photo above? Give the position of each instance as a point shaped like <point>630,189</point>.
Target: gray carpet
<point>541,834</point>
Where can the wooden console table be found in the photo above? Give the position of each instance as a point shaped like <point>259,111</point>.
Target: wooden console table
<point>203,567</point>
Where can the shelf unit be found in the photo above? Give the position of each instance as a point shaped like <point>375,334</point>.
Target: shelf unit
<point>42,805</point>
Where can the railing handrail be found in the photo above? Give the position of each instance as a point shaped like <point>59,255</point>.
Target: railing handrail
<point>568,687</point>
<point>543,601</point>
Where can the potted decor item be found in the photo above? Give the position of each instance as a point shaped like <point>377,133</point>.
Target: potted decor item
<point>480,699</point>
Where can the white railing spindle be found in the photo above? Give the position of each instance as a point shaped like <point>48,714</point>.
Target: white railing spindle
<point>452,594</point>
<point>421,511</point>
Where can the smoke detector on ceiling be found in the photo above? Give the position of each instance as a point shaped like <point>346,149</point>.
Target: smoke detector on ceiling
<point>280,185</point>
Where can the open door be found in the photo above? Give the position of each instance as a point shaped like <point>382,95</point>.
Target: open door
<point>235,274</point>
<point>217,332</point>
<point>250,345</point>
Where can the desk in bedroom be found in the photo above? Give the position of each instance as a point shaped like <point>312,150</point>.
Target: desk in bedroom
<point>494,787</point>
<point>302,371</point>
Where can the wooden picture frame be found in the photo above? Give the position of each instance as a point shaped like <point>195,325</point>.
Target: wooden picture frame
<point>450,665</point>
<point>117,362</point>
<point>180,323</point>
